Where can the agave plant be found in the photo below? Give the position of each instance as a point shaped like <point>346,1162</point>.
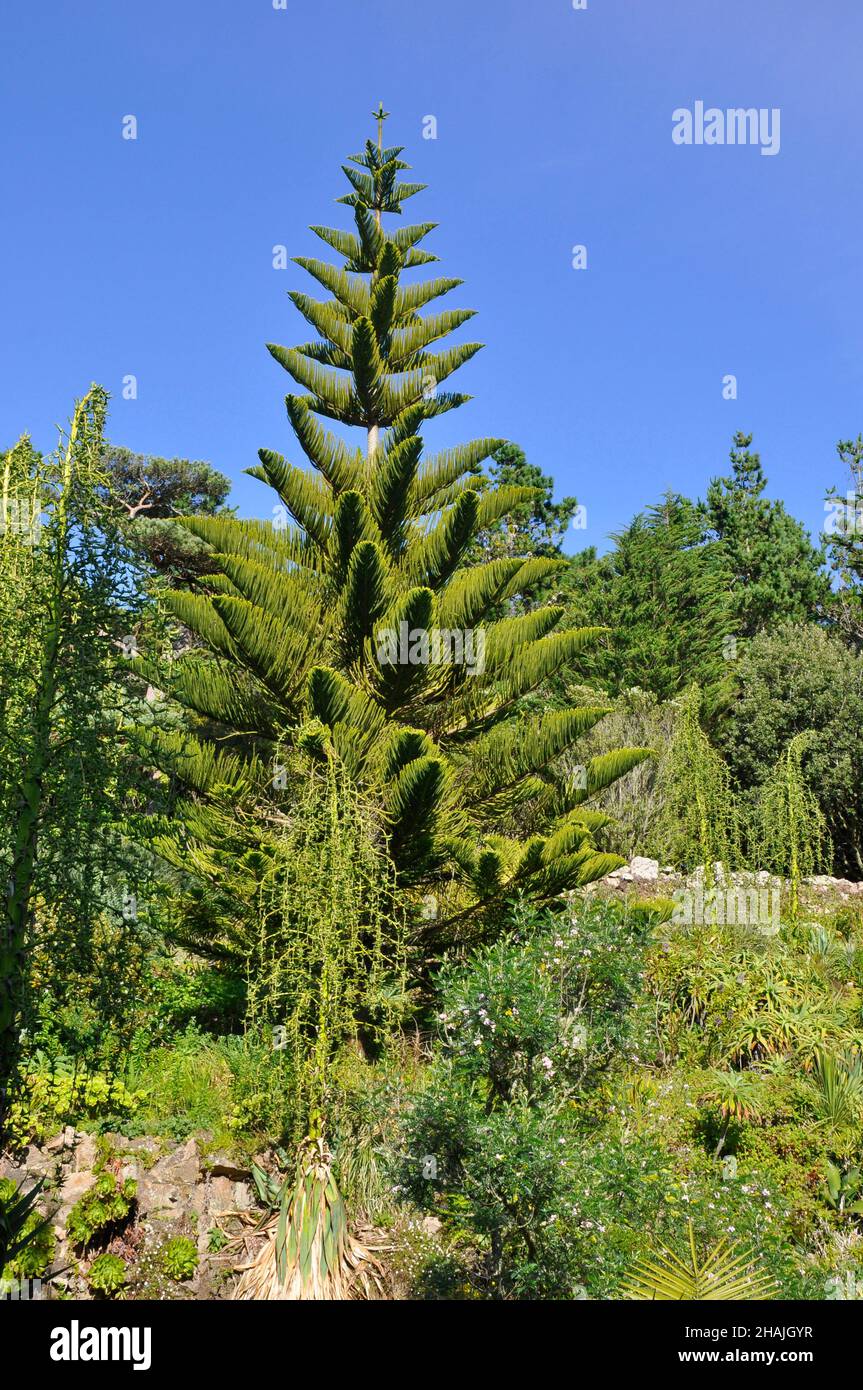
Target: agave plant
<point>310,1251</point>
<point>17,1229</point>
<point>836,1088</point>
<point>843,1189</point>
<point>726,1273</point>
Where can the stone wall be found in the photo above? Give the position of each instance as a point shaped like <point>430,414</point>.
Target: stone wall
<point>182,1190</point>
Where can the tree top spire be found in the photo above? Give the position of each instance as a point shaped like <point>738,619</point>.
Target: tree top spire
<point>380,116</point>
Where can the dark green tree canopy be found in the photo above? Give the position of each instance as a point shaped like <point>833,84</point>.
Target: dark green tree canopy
<point>791,679</point>
<point>843,536</point>
<point>536,527</point>
<point>664,594</point>
<point>149,493</point>
<point>776,573</point>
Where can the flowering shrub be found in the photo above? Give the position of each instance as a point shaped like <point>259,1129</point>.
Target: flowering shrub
<point>537,1014</point>
<point>526,1029</point>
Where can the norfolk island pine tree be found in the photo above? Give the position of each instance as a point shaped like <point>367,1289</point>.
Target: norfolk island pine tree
<point>295,628</point>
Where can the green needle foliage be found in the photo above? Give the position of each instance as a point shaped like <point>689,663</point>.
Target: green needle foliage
<point>326,630</point>
<point>665,594</point>
<point>844,538</point>
<point>775,574</point>
<point>147,495</point>
<point>328,959</point>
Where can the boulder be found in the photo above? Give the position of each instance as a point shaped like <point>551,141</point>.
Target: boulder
<point>647,869</point>
<point>621,875</point>
<point>72,1189</point>
<point>143,1145</point>
<point>39,1164</point>
<point>65,1140</point>
<point>221,1197</point>
<point>243,1200</point>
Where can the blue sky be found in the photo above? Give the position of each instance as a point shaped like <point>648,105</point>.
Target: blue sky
<point>153,257</point>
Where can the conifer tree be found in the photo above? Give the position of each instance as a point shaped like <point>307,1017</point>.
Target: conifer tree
<point>843,535</point>
<point>356,628</point>
<point>776,575</point>
<point>665,596</point>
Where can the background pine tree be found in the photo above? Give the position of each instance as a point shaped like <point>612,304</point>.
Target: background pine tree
<point>776,573</point>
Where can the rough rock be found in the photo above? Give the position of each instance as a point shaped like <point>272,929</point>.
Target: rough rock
<point>84,1157</point>
<point>183,1166</point>
<point>158,1200</point>
<point>644,868</point>
<point>146,1144</point>
<point>175,1195</point>
<point>621,875</point>
<point>222,1165</point>
<point>39,1164</point>
<point>221,1199</point>
<point>65,1140</point>
<point>243,1199</point>
<point>72,1189</point>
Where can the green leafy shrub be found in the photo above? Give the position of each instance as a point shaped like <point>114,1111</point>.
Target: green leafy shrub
<point>240,1088</point>
<point>107,1203</point>
<point>368,1098</point>
<point>50,1096</point>
<point>843,1190</point>
<point>107,1276</point>
<point>636,803</point>
<point>186,1087</point>
<point>793,678</point>
<point>203,997</point>
<point>179,1258</point>
<point>527,1029</point>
